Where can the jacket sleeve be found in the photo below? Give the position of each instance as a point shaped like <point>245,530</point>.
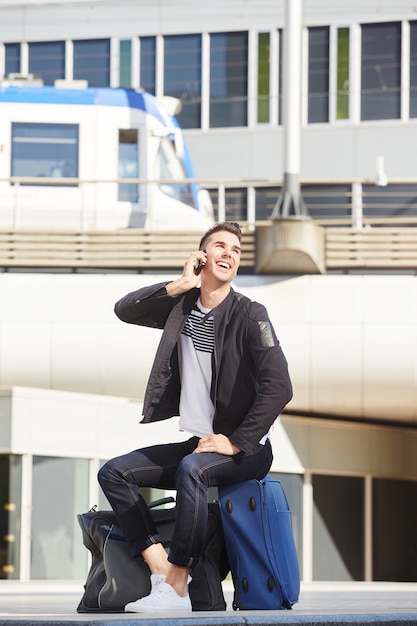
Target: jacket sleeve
<point>273,381</point>
<point>148,306</point>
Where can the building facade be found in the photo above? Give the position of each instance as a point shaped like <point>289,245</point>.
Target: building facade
<point>225,64</point>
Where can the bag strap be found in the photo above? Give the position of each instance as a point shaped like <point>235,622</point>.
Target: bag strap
<point>156,503</point>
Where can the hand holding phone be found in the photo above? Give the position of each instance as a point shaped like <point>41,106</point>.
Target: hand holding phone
<point>198,265</point>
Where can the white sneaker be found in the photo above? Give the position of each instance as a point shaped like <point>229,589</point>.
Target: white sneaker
<point>156,579</point>
<point>163,598</point>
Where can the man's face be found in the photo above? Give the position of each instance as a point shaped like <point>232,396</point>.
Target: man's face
<point>223,256</point>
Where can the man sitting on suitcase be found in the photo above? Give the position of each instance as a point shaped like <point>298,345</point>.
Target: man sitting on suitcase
<point>219,366</point>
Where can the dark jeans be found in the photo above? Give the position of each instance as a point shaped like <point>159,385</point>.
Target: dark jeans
<point>173,466</point>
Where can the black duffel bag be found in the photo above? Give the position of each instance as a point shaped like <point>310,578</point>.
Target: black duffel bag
<point>116,578</point>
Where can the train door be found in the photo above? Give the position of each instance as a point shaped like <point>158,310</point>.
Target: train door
<point>129,168</point>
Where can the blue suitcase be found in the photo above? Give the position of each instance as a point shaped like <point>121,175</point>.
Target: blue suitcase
<point>260,545</point>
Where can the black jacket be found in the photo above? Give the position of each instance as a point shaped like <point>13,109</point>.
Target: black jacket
<point>250,381</point>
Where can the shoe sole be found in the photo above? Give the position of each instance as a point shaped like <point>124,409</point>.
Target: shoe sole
<point>153,610</point>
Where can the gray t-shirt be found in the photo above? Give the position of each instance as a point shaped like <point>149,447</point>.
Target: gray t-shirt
<point>195,349</point>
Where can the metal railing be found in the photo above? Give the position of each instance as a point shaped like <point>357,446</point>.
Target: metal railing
<point>365,227</point>
<point>341,202</point>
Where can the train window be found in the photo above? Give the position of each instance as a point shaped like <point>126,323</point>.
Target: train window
<point>44,150</point>
<point>128,165</point>
<point>172,169</point>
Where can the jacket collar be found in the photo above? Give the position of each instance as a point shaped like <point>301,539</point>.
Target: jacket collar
<point>224,304</point>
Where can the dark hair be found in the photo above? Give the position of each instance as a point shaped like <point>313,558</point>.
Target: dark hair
<point>230,227</point>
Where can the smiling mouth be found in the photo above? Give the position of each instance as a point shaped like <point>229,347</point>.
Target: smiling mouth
<point>224,265</point>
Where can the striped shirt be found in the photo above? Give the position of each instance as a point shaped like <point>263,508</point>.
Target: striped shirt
<point>195,349</point>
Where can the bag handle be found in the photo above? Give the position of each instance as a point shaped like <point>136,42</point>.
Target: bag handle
<point>166,500</point>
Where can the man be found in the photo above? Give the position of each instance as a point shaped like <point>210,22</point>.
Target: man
<point>219,366</point>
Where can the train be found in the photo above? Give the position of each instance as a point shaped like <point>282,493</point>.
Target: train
<point>74,157</point>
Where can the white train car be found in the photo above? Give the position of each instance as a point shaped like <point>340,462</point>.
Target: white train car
<point>94,159</point>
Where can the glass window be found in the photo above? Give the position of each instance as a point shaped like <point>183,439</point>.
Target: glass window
<point>171,168</point>
<point>47,60</point>
<point>102,503</point>
<point>10,515</point>
<point>381,71</point>
<point>394,530</point>
<point>263,77</point>
<point>394,201</point>
<point>125,63</point>
<point>12,52</point>
<point>318,74</point>
<point>328,201</point>
<point>266,198</point>
<point>44,150</point>
<point>148,64</point>
<point>182,76</point>
<point>128,164</point>
<point>236,199</point>
<point>59,492</point>
<point>228,79</point>
<point>338,528</point>
<point>413,69</point>
<point>236,203</point>
<point>342,104</point>
<point>280,76</point>
<point>92,61</point>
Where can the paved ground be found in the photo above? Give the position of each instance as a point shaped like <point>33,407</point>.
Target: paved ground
<point>330,604</point>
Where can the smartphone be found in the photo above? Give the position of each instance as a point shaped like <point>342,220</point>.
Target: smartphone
<point>198,266</point>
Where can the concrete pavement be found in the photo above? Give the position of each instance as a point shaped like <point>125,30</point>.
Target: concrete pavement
<point>330,604</point>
